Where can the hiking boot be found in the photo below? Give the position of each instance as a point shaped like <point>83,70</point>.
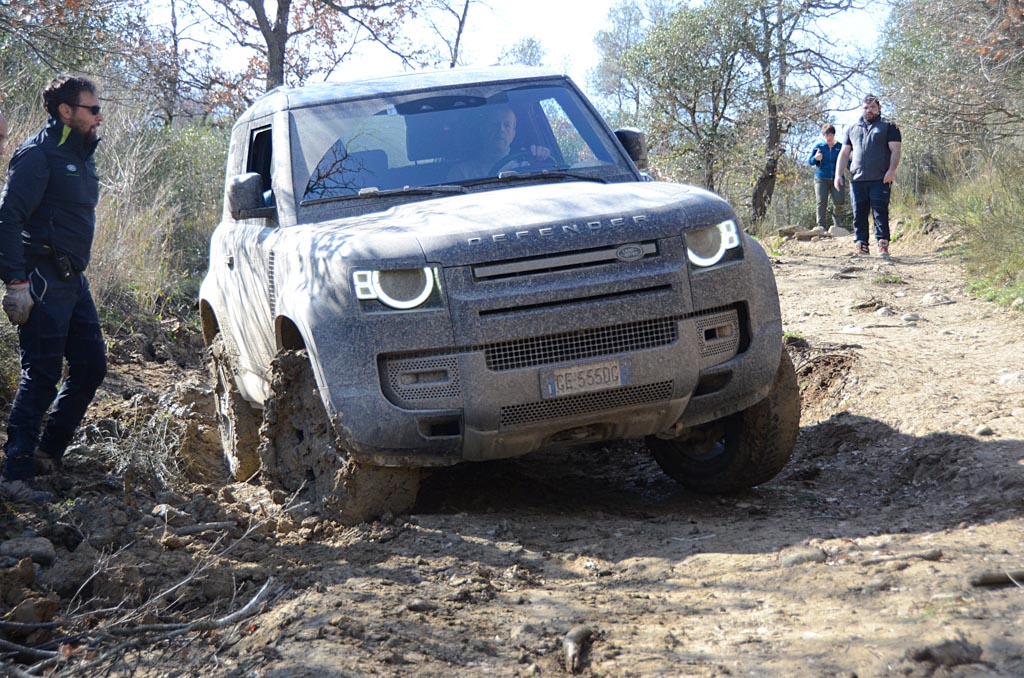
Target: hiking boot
<point>47,465</point>
<point>860,249</point>
<point>23,491</point>
<point>883,249</point>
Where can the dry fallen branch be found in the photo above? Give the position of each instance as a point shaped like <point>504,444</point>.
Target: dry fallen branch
<point>201,625</point>
<point>27,651</point>
<point>249,609</point>
<point>930,554</point>
<point>203,527</point>
<point>11,670</point>
<point>145,635</point>
<point>1003,578</point>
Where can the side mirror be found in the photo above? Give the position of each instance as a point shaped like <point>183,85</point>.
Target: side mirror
<point>635,143</point>
<point>245,197</point>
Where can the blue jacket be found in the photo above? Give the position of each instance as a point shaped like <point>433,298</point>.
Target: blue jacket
<point>827,166</point>
<point>49,202</point>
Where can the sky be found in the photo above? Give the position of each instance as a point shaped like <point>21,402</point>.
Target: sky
<point>565,29</point>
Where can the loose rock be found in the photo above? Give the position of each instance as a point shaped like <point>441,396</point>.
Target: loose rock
<point>799,555</point>
<point>39,549</point>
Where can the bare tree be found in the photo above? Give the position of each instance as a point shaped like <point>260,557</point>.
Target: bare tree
<point>795,64</point>
<point>291,40</point>
<point>456,11</point>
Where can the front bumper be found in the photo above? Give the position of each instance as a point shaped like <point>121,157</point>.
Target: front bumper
<point>485,397</point>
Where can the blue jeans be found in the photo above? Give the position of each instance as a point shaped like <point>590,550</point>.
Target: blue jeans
<point>63,325</point>
<point>873,195</point>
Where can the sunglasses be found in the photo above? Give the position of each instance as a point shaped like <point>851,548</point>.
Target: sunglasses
<point>95,110</point>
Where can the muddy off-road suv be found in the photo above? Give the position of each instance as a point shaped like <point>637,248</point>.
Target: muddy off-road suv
<point>385,294</point>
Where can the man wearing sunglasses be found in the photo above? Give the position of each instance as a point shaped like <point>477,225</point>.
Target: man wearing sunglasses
<point>47,219</point>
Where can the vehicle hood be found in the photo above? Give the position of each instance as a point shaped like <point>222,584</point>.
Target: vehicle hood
<point>521,221</point>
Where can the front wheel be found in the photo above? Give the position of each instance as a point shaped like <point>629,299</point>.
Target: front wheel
<point>301,448</point>
<point>238,422</point>
<point>739,451</point>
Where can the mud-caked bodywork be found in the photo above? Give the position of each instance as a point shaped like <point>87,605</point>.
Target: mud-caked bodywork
<point>454,307</point>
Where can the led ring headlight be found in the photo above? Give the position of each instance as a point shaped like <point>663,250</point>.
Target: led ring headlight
<point>400,289</point>
<point>706,246</point>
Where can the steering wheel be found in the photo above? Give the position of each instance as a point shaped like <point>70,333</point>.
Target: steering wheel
<point>512,156</point>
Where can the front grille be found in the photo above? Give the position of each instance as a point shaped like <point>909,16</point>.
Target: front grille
<point>556,348</point>
<point>526,413</point>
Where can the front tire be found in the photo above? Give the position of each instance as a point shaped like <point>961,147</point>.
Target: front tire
<point>238,422</point>
<point>739,451</point>
<point>301,447</point>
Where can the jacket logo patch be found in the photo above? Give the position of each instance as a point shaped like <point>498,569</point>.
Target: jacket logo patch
<point>72,168</point>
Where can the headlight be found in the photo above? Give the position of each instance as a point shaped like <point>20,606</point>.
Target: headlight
<point>402,289</point>
<point>706,246</point>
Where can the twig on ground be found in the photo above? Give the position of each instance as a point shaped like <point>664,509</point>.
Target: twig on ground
<point>27,651</point>
<point>12,670</point>
<point>1004,578</point>
<point>201,625</point>
<point>203,527</point>
<point>930,554</point>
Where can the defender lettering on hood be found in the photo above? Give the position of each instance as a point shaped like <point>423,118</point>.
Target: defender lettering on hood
<point>572,229</point>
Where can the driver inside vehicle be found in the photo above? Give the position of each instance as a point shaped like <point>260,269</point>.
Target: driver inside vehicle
<point>493,152</point>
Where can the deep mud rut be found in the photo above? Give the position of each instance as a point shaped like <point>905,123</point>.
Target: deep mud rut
<point>907,484</point>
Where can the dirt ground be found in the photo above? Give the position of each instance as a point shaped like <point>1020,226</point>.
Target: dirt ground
<point>889,546</point>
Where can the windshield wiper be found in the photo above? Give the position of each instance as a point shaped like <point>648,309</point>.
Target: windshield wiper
<point>373,192</point>
<point>546,175</point>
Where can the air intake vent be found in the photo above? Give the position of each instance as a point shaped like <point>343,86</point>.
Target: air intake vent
<point>719,336</point>
<point>515,415</point>
<point>426,378</point>
<point>559,262</point>
<point>556,348</point>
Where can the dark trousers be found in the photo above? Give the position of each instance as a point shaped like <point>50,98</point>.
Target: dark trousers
<point>873,196</point>
<point>63,325</point>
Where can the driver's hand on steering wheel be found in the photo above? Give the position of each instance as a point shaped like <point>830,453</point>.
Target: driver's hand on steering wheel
<point>540,153</point>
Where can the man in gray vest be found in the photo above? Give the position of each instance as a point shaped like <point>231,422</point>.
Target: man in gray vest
<point>874,145</point>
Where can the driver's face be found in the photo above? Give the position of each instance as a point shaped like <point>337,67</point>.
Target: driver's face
<point>499,130</point>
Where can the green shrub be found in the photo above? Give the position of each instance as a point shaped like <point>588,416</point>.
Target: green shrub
<point>986,209</point>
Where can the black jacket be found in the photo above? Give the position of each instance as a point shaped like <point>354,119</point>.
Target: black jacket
<point>49,202</point>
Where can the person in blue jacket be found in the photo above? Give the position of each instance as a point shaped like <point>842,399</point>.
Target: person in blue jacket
<point>47,220</point>
<point>824,156</point>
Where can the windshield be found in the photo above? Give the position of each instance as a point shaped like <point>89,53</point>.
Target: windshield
<point>445,138</point>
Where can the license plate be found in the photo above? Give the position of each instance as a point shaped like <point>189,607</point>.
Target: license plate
<point>585,378</point>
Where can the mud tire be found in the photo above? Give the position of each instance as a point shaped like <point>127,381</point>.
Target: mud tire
<point>238,422</point>
<point>740,451</point>
<point>301,449</point>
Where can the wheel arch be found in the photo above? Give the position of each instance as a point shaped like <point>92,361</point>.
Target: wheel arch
<point>208,319</point>
<point>288,335</point>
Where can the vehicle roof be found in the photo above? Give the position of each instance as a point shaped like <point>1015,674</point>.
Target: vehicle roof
<point>283,98</point>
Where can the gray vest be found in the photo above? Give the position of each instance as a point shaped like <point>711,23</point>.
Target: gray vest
<point>871,154</point>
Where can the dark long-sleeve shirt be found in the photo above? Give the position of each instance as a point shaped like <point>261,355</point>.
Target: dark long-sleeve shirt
<point>49,202</point>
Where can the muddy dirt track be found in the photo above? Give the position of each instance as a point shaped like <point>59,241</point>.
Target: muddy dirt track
<point>883,549</point>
